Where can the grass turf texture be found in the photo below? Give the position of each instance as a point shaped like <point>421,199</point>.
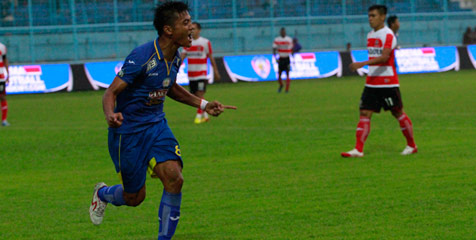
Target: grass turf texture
<point>270,170</point>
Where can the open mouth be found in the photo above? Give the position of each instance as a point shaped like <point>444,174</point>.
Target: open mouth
<point>190,37</point>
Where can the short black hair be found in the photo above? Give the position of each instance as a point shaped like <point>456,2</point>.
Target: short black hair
<point>199,26</point>
<point>382,9</point>
<point>391,20</point>
<point>167,14</point>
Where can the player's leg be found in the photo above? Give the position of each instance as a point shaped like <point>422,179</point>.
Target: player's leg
<point>4,105</point>
<point>287,69</point>
<point>393,102</point>
<point>280,81</point>
<point>288,81</point>
<point>167,156</point>
<point>127,152</point>
<point>170,173</point>
<point>363,129</point>
<point>361,134</point>
<point>368,105</point>
<point>118,197</point>
<point>193,90</point>
<point>201,90</point>
<point>280,72</point>
<point>407,129</point>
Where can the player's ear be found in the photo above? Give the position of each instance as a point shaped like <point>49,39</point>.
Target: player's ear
<point>168,30</point>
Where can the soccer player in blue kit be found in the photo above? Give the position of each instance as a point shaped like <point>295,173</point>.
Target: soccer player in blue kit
<point>139,138</point>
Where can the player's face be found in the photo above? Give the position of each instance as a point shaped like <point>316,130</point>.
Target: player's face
<point>376,19</point>
<point>196,31</point>
<point>182,33</point>
<point>396,25</point>
<point>283,33</point>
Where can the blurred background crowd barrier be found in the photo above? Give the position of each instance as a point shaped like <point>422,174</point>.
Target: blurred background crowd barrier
<point>77,31</point>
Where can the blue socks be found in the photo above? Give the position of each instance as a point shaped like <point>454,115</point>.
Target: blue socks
<point>112,194</point>
<point>169,214</point>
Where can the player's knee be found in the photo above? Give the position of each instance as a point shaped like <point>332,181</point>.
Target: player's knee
<point>177,182</point>
<point>174,183</point>
<point>397,113</point>
<point>366,113</point>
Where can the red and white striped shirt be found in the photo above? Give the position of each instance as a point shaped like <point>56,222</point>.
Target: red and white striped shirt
<point>197,56</point>
<point>3,71</point>
<point>284,46</point>
<point>382,75</point>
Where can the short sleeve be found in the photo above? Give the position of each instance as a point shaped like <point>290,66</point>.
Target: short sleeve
<point>131,68</point>
<point>390,42</point>
<point>3,50</point>
<point>275,45</point>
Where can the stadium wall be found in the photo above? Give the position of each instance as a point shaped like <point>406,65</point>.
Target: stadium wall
<point>114,42</point>
<point>253,68</point>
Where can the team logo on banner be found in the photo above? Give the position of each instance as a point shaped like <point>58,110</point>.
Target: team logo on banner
<point>262,66</point>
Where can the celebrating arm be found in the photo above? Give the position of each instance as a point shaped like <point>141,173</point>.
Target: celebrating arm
<point>180,94</point>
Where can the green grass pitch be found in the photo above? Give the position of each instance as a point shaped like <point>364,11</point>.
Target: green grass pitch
<point>270,170</point>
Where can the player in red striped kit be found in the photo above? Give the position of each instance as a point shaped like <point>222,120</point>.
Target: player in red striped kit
<point>284,45</point>
<point>3,81</point>
<point>198,55</point>
<point>382,86</point>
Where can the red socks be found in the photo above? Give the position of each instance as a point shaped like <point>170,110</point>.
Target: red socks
<point>363,130</point>
<point>199,111</point>
<point>288,81</point>
<point>4,110</point>
<point>407,129</point>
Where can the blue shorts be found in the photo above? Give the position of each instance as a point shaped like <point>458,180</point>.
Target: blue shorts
<point>136,154</point>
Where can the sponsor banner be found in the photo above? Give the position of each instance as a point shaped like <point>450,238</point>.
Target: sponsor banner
<point>39,78</point>
<point>417,60</point>
<point>101,74</point>
<point>265,67</point>
<point>472,54</point>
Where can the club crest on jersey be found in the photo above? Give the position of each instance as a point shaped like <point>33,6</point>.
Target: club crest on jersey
<point>151,64</point>
<point>166,82</point>
<point>262,66</point>
<point>377,43</point>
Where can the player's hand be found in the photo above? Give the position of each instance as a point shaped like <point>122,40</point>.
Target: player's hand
<point>114,120</point>
<point>354,66</point>
<point>215,108</point>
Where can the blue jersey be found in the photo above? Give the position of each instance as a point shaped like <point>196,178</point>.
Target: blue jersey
<point>149,76</point>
